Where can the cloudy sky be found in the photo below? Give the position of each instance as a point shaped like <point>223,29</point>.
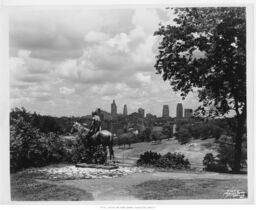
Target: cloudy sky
<point>68,61</point>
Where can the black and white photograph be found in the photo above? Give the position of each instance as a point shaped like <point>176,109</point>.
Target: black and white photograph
<point>128,103</point>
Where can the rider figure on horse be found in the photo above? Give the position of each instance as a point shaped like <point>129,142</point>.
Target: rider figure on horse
<point>96,123</point>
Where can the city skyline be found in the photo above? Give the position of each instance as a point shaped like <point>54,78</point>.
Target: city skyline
<point>114,107</point>
<point>61,67</point>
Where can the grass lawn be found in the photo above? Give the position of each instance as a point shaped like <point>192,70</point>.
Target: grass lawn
<point>187,189</point>
<point>24,187</point>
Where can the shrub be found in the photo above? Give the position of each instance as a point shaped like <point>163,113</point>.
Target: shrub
<point>99,156</point>
<point>169,160</point>
<point>78,153</point>
<point>148,158</point>
<point>208,161</point>
<point>30,148</point>
<point>22,137</point>
<point>173,160</point>
<point>212,164</point>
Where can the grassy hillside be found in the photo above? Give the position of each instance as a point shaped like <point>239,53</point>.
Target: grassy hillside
<point>194,151</point>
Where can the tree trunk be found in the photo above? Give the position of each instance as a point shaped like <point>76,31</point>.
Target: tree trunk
<point>238,145</point>
<point>238,152</point>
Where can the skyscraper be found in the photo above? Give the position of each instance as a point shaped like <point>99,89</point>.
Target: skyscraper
<point>113,108</point>
<point>165,111</point>
<point>141,112</point>
<point>188,113</point>
<point>179,110</point>
<point>125,110</point>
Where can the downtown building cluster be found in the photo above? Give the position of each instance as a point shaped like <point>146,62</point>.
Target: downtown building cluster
<point>120,122</point>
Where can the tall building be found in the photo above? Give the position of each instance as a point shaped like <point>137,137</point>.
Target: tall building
<point>188,113</point>
<point>179,110</point>
<point>165,111</point>
<point>125,110</point>
<point>141,112</point>
<point>113,108</point>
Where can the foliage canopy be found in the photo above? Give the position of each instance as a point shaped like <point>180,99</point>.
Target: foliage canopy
<point>206,49</point>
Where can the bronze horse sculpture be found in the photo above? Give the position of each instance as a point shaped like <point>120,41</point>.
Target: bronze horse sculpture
<point>102,137</point>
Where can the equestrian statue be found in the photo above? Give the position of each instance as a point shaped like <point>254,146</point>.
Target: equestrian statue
<point>95,136</point>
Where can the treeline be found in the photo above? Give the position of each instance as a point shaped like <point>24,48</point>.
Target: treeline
<point>35,141</point>
<point>187,129</point>
<point>45,123</point>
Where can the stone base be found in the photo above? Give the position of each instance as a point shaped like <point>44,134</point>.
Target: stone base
<point>107,167</point>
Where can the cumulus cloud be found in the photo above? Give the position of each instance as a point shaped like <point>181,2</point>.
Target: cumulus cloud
<point>143,78</point>
<point>27,69</point>
<point>96,36</point>
<point>66,90</point>
<point>120,42</point>
<point>145,51</point>
<point>78,59</point>
<point>57,34</point>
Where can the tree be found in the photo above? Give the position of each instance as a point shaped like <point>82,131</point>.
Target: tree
<point>147,133</point>
<point>206,49</point>
<point>168,131</point>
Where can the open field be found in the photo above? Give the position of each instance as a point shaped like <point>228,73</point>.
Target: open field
<point>194,151</point>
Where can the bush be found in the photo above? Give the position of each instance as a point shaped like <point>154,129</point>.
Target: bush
<point>169,160</point>
<point>173,160</point>
<point>80,154</point>
<point>30,148</point>
<point>22,137</point>
<point>212,164</point>
<point>148,158</point>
